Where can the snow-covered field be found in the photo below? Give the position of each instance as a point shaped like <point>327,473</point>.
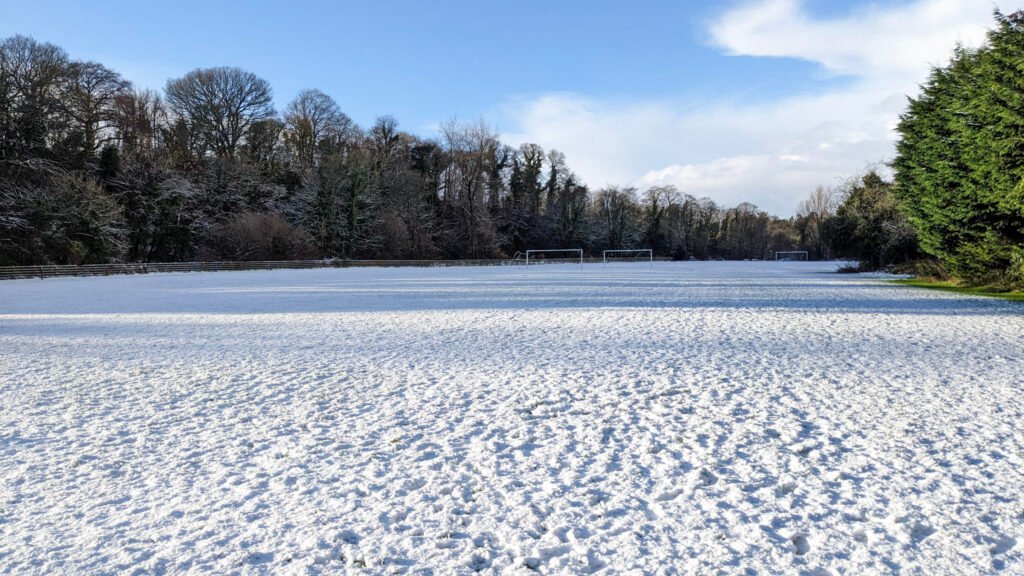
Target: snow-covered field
<point>699,418</point>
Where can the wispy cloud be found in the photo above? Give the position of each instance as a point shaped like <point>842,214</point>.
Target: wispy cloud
<point>770,153</point>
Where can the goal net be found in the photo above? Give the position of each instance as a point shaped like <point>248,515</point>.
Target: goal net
<point>637,255</point>
<point>800,255</point>
<point>554,255</point>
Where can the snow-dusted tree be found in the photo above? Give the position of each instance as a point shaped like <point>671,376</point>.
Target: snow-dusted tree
<point>744,232</point>
<point>617,218</point>
<point>63,219</point>
<point>471,151</point>
<point>341,209</point>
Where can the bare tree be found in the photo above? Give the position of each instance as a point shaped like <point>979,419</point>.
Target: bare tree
<point>744,232</point>
<point>257,236</point>
<point>472,150</point>
<point>314,126</point>
<point>384,137</point>
<point>532,157</point>
<point>91,91</point>
<point>823,201</point>
<point>811,217</point>
<point>138,118</point>
<point>262,146</point>
<point>657,201</point>
<point>221,105</point>
<point>567,213</point>
<point>558,172</point>
<point>30,73</point>
<point>618,217</point>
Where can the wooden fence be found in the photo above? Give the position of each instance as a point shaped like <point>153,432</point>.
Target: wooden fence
<point>57,270</point>
<point>53,270</point>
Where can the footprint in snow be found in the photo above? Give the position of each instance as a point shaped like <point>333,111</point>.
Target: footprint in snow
<point>785,489</point>
<point>860,515</point>
<point>800,544</point>
<point>1002,545</point>
<point>920,531</point>
<point>668,495</point>
<point>803,449</point>
<point>478,562</point>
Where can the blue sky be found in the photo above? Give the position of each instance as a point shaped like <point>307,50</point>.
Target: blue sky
<point>420,61</point>
<point>550,72</point>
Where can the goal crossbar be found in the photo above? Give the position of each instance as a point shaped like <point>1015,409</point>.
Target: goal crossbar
<point>647,251</point>
<point>789,254</point>
<point>577,251</point>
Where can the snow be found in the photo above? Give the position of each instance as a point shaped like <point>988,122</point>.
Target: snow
<point>755,417</point>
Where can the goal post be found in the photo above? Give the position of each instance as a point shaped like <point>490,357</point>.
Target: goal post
<point>577,251</point>
<point>791,255</point>
<point>645,253</point>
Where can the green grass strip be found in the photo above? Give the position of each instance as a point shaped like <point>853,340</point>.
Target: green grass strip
<point>1015,295</point>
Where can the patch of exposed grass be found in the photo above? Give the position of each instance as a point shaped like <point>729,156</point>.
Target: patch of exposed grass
<point>1013,295</point>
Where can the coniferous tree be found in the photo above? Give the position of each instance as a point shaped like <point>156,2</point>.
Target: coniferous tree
<point>960,162</point>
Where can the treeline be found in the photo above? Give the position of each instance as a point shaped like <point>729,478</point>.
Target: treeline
<point>960,163</point>
<point>95,170</point>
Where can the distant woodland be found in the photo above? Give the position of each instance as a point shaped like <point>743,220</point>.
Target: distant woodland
<point>93,169</point>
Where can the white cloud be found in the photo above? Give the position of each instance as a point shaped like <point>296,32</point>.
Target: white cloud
<point>897,41</point>
<point>774,153</point>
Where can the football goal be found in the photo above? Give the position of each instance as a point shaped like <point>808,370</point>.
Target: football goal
<point>800,255</point>
<point>533,254</point>
<point>637,255</point>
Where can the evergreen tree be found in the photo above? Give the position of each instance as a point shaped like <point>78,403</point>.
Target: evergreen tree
<point>960,162</point>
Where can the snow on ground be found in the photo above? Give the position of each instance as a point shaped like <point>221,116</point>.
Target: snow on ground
<point>759,418</point>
